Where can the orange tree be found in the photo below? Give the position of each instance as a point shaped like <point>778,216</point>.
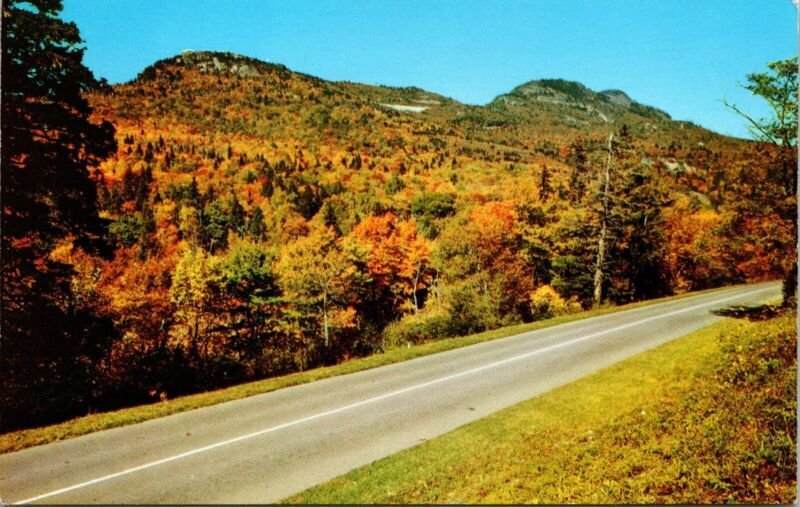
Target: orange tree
<point>481,259</point>
<point>397,263</point>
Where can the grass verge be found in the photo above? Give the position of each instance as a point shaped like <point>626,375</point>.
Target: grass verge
<point>21,439</point>
<point>708,418</point>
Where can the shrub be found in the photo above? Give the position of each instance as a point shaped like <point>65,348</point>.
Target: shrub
<point>473,308</point>
<point>125,230</point>
<point>417,328</point>
<point>547,303</point>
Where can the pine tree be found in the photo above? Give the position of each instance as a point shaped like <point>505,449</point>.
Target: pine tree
<point>256,228</point>
<point>600,273</point>
<point>579,161</point>
<point>236,213</point>
<point>545,187</point>
<point>49,144</point>
<point>629,259</point>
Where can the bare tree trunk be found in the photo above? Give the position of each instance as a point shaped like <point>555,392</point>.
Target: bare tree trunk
<point>437,291</point>
<point>599,268</point>
<point>325,317</point>
<point>416,283</point>
<point>195,337</point>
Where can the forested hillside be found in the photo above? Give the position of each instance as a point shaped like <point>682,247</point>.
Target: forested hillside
<point>264,221</point>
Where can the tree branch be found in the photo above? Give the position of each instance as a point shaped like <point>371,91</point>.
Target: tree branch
<point>755,125</point>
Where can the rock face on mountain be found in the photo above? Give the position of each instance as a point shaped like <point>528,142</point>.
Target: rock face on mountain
<point>210,62</point>
<point>618,97</point>
<point>213,63</point>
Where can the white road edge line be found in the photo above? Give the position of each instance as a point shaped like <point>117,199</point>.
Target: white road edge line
<point>378,398</point>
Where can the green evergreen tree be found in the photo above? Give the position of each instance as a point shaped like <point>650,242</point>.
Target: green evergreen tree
<point>50,346</point>
<point>256,228</point>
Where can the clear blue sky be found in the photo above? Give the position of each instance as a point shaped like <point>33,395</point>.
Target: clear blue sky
<point>682,56</point>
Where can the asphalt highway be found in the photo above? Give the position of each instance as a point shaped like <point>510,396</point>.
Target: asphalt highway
<point>263,448</point>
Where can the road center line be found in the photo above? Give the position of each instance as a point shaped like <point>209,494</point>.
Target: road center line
<point>381,397</point>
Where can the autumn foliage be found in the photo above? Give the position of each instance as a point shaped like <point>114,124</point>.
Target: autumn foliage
<point>262,221</point>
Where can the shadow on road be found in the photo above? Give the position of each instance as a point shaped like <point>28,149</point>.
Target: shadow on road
<point>751,313</point>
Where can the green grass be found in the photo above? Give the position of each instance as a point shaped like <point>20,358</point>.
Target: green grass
<point>708,418</point>
<point>17,440</point>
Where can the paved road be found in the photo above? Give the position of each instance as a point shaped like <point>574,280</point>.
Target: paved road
<point>264,448</point>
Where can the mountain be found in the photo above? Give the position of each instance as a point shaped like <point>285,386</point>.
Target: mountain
<point>566,105</point>
<point>221,122</point>
<point>224,93</point>
<point>265,220</point>
<point>577,105</point>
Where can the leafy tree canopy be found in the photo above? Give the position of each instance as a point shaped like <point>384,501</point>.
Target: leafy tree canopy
<point>778,86</point>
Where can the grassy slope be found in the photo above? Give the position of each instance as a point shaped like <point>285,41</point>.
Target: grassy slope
<point>697,420</point>
<point>21,439</point>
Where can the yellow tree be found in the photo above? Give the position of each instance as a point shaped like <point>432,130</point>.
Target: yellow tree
<point>192,294</point>
<point>316,273</point>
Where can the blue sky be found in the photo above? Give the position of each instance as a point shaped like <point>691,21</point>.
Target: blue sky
<point>683,56</point>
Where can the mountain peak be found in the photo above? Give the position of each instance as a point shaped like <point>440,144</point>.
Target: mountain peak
<point>550,87</point>
<point>605,105</point>
<point>213,62</point>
